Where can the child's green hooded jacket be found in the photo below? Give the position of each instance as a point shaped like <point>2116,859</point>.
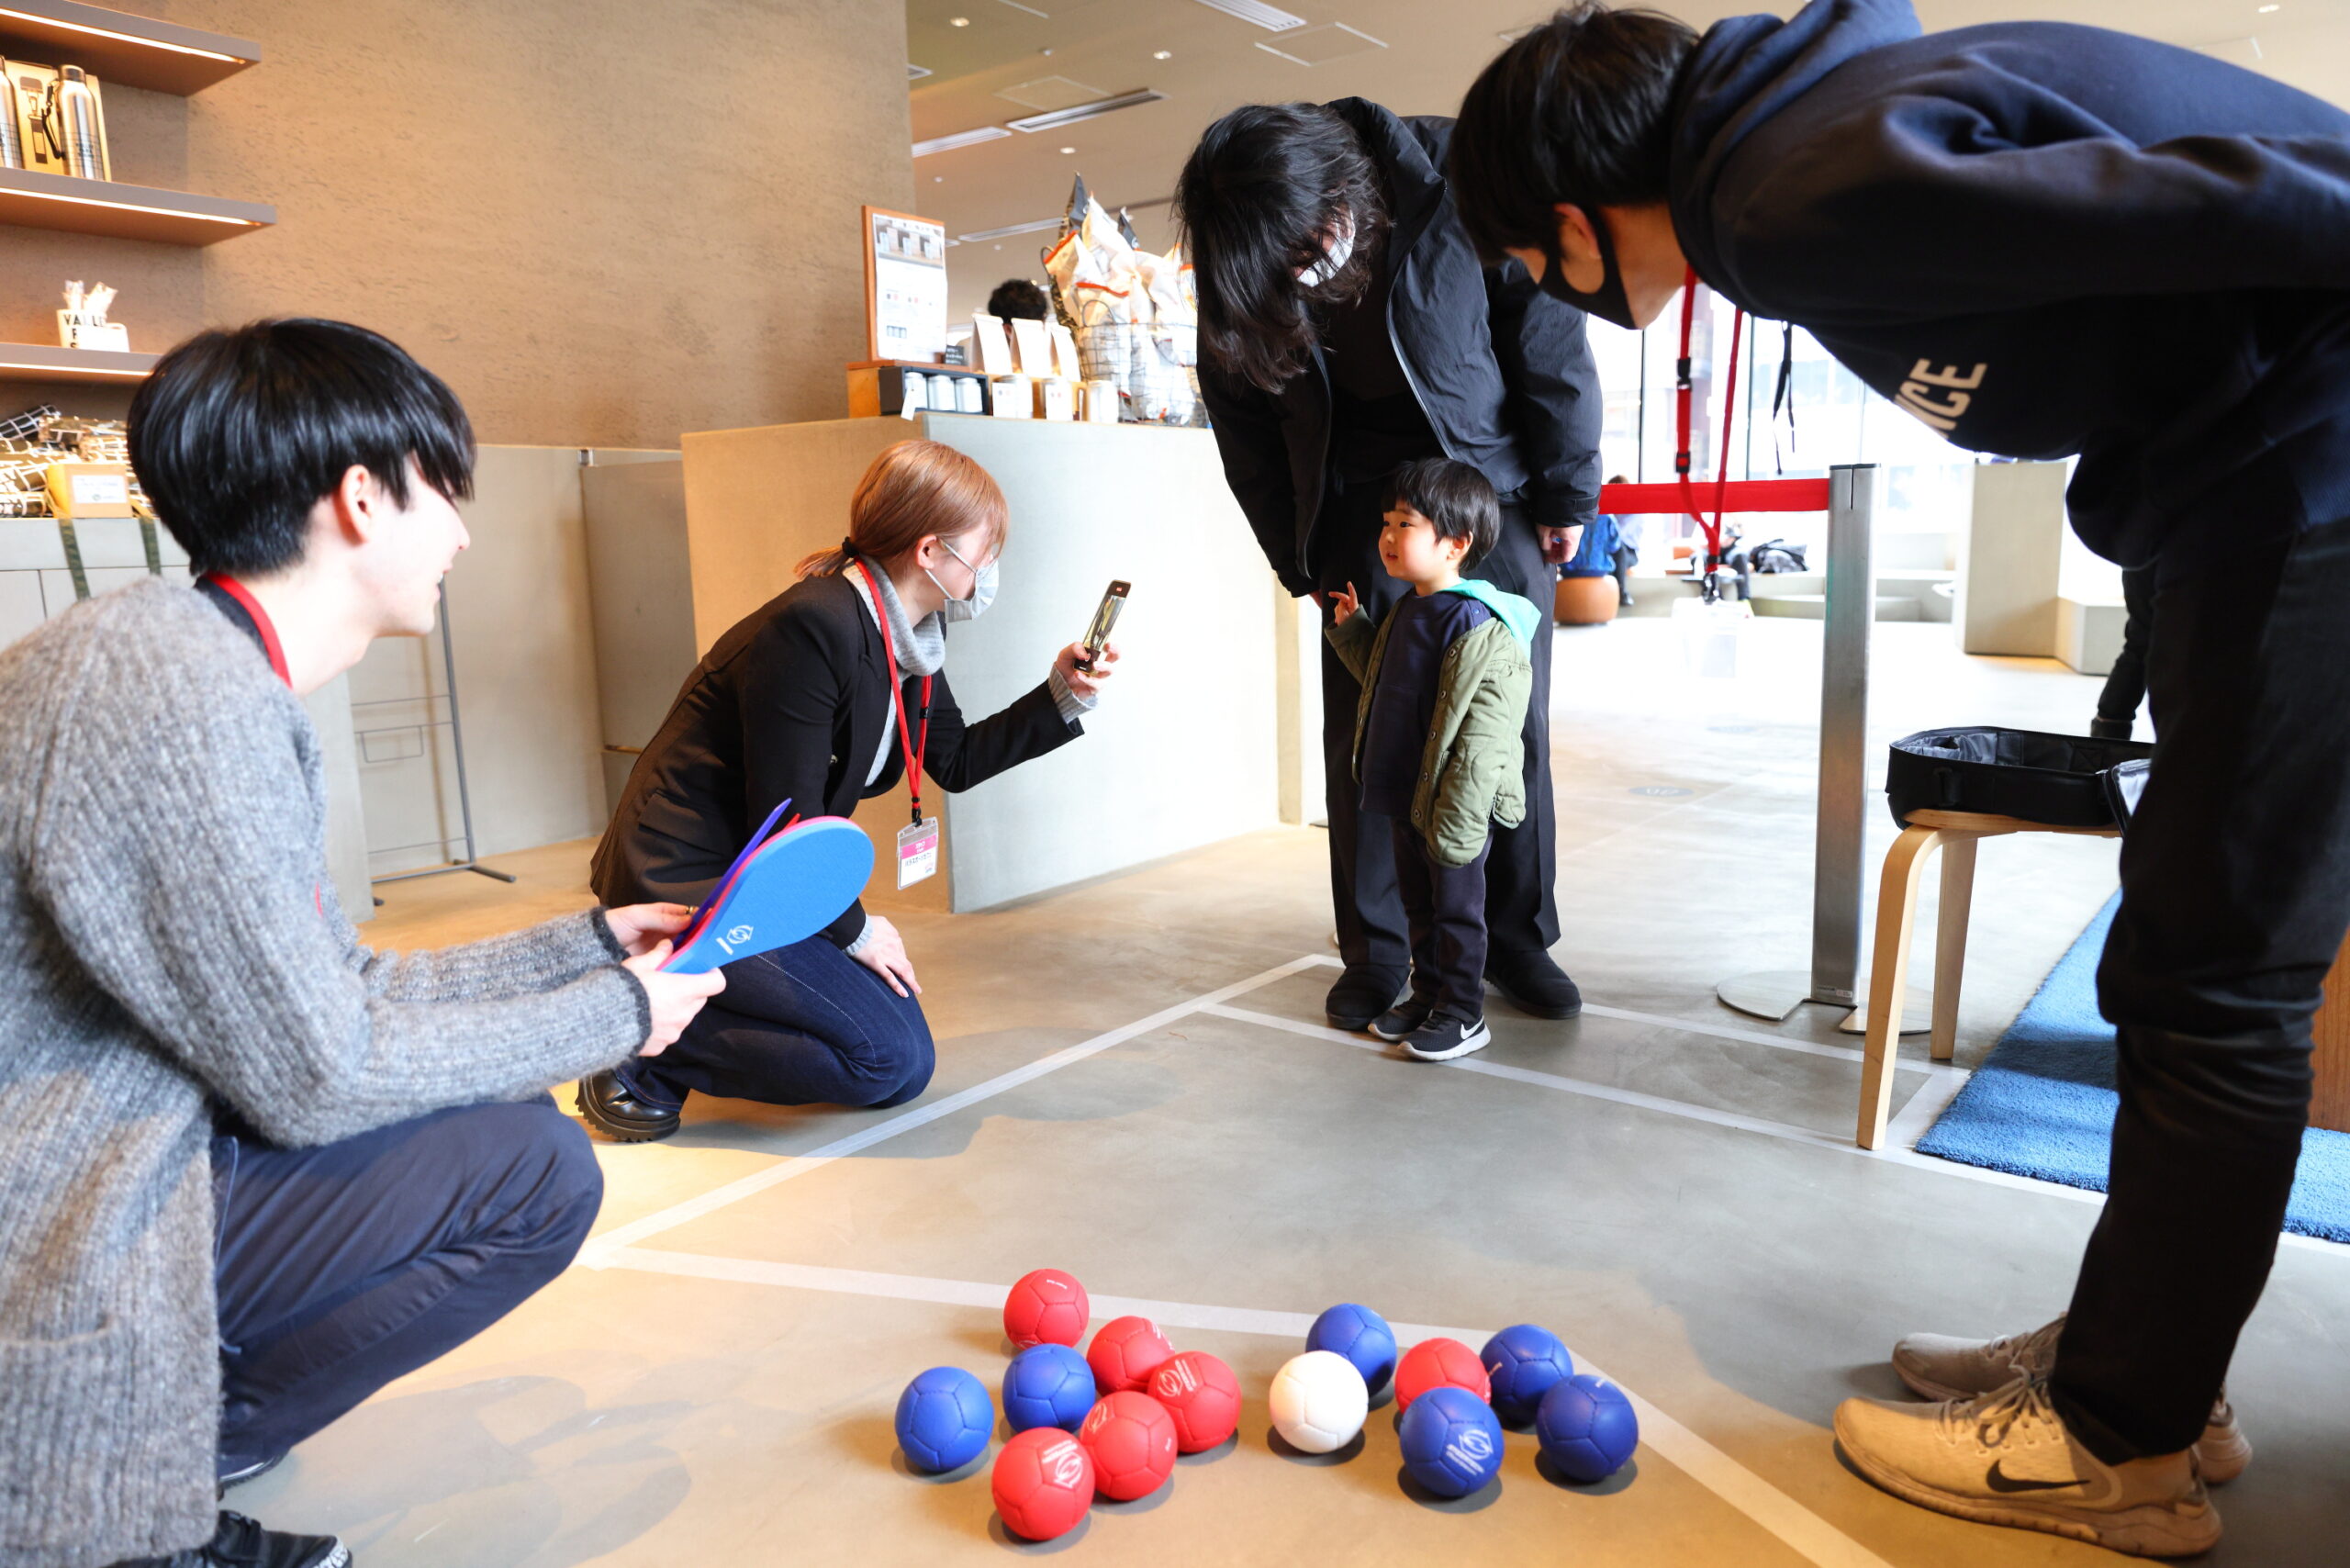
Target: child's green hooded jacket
<point>1473,772</point>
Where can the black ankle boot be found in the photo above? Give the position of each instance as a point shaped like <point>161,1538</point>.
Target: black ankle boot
<point>621,1114</point>
<point>1362,993</point>
<point>239,1542</point>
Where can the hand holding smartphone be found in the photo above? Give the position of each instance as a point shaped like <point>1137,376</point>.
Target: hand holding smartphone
<point>1105,617</point>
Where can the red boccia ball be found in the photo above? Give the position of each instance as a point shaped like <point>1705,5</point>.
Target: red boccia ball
<point>1043,1482</point>
<point>1432,1364</point>
<point>1132,1439</point>
<point>1201,1395</point>
<point>1045,1307</point>
<point>1127,1351</point>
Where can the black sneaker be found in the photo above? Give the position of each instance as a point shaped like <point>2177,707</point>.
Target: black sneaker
<point>1441,1039</point>
<point>1533,984</point>
<point>1403,1018</point>
<point>1362,993</point>
<point>620,1113</point>
<point>239,1542</point>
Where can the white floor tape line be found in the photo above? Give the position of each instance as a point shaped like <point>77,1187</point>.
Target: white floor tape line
<point>601,1247</point>
<point>1802,1531</point>
<point>1483,1069</point>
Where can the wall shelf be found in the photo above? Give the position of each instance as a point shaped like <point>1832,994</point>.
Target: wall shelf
<point>36,200</point>
<point>115,47</point>
<point>38,361</point>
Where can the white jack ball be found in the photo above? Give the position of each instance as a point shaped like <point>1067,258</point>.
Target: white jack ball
<point>1319,1402</point>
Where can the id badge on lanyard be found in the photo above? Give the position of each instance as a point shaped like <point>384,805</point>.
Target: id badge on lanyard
<point>917,851</point>
<point>918,841</point>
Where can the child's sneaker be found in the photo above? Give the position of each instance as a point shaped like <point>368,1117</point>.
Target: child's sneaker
<point>2006,1458</point>
<point>1442,1039</point>
<point>1403,1018</point>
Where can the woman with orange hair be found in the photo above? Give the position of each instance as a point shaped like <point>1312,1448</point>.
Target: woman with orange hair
<point>822,696</point>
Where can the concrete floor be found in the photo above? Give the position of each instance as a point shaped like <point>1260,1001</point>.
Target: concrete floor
<point>1135,1084</point>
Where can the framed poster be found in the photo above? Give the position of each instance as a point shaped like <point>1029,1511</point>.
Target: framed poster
<point>905,287</point>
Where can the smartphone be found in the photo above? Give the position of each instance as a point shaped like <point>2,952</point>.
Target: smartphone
<point>1105,616</point>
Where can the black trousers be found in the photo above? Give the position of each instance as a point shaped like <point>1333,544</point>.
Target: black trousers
<point>2236,878</point>
<point>2125,684</point>
<point>1445,908</point>
<point>343,1266</point>
<point>1522,862</point>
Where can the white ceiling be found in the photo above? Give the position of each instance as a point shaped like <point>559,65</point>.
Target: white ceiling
<point>1079,48</point>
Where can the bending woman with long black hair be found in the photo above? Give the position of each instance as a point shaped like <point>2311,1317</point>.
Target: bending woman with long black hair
<point>823,697</point>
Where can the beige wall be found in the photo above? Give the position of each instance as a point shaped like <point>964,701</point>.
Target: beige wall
<point>604,222</point>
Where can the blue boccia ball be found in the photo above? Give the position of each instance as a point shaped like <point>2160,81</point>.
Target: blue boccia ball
<point>1047,1385</point>
<point>1525,1362</point>
<point>943,1419</point>
<point>1361,1335</point>
<point>1586,1427</point>
<point>1451,1441</point>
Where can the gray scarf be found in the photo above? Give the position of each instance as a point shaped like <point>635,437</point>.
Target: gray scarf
<point>921,649</point>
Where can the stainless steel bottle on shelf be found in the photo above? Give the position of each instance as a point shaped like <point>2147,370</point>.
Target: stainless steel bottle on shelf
<point>12,151</point>
<point>76,121</point>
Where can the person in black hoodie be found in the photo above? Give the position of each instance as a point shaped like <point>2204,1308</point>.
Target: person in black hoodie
<point>2044,241</point>
<point>1347,328</point>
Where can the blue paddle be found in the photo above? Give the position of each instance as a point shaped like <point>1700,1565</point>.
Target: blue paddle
<point>778,891</point>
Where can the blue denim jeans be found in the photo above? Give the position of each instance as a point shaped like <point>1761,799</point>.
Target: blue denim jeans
<point>805,1024</point>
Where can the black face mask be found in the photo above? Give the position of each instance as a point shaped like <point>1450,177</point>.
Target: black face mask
<point>1608,302</point>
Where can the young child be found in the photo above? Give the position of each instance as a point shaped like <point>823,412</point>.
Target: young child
<point>1446,677</point>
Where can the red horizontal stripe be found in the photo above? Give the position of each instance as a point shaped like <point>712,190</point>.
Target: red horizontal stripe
<point>1740,495</point>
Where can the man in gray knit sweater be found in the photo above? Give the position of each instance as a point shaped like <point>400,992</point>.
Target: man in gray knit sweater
<point>254,1171</point>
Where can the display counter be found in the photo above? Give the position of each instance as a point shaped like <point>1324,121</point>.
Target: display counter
<point>1197,739</point>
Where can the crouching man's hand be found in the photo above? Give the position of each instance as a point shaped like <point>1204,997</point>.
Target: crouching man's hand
<point>639,925</point>
<point>676,998</point>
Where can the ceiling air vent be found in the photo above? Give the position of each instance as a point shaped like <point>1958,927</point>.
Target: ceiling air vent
<point>1058,117</point>
<point>1272,19</point>
<point>1051,93</point>
<point>1332,41</point>
<point>960,138</point>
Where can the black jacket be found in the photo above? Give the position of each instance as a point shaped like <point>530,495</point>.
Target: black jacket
<point>789,705</point>
<point>2042,240</point>
<point>1499,368</point>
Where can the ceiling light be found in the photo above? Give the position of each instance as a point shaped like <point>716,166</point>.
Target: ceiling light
<point>1057,118</point>
<point>2265,9</point>
<point>960,138</point>
<point>1272,19</point>
<point>916,72</point>
<point>959,21</point>
<point>1068,150</point>
<point>938,179</point>
<point>1162,54</point>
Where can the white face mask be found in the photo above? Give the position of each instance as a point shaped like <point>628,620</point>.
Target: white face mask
<point>982,588</point>
<point>1334,255</point>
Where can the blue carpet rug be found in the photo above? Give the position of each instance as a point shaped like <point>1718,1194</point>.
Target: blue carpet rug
<point>2042,1104</point>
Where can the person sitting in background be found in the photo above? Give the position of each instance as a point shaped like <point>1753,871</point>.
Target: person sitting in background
<point>1017,299</point>
<point>828,694</point>
<point>256,1171</point>
<point>1445,676</point>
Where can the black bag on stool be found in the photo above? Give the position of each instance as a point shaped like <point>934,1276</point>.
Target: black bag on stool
<point>2062,780</point>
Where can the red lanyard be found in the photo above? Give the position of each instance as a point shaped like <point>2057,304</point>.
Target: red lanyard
<point>1683,390</point>
<point>262,622</point>
<point>913,747</point>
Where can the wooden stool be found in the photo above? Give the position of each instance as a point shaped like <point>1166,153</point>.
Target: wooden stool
<point>1956,834</point>
<point>2330,1058</point>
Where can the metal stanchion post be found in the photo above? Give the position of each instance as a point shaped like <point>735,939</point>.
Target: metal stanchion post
<point>1837,868</point>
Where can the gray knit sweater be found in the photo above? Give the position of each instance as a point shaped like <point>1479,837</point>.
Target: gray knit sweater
<point>169,941</point>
